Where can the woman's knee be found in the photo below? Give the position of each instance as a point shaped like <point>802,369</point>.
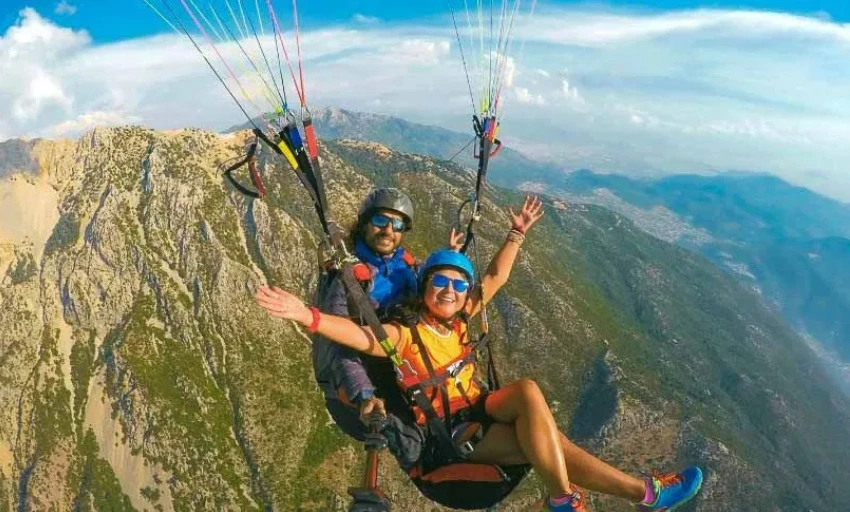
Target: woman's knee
<point>530,391</point>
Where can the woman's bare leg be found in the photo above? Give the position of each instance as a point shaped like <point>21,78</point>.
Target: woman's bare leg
<point>595,475</point>
<point>526,432</point>
<point>524,435</point>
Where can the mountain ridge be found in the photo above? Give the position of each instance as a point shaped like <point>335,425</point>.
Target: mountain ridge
<point>131,342</point>
<point>734,218</point>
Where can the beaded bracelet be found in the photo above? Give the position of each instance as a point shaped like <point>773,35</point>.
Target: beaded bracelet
<point>516,237</point>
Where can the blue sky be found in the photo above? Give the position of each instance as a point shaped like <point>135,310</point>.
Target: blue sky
<point>643,89</point>
<point>125,19</point>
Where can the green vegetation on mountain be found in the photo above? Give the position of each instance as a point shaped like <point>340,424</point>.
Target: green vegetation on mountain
<point>759,225</point>
<point>165,387</point>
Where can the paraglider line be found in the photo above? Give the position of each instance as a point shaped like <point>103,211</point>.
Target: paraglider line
<point>215,49</point>
<point>464,148</point>
<point>462,57</point>
<point>163,17</point>
<point>285,53</point>
<point>207,60</point>
<point>250,60</point>
<point>266,60</point>
<point>300,61</point>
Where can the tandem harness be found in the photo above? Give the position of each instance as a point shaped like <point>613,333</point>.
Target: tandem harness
<point>443,473</point>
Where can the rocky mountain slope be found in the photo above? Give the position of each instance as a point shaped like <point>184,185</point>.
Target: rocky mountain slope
<point>777,238</point>
<point>137,374</point>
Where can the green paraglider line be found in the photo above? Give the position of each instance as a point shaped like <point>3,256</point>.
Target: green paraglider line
<point>462,57</point>
<point>250,60</point>
<point>283,47</point>
<point>185,32</point>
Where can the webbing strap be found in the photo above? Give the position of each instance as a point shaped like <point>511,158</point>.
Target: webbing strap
<point>367,312</point>
<point>441,378</point>
<point>300,163</point>
<point>251,160</point>
<point>441,428</point>
<point>440,384</point>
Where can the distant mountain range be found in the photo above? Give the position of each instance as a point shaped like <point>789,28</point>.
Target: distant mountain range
<point>509,169</point>
<point>787,242</point>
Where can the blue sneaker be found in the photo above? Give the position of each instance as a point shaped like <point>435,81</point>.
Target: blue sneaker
<point>673,489</point>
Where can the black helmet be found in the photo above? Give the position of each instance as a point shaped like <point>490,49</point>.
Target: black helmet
<point>387,199</point>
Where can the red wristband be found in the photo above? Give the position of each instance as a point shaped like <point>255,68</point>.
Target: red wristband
<point>313,327</point>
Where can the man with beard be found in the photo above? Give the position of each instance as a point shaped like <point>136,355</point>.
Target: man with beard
<point>390,279</point>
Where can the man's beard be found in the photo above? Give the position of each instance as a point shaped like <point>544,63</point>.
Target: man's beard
<point>383,244</point>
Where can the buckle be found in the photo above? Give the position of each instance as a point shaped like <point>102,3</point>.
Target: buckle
<point>465,448</point>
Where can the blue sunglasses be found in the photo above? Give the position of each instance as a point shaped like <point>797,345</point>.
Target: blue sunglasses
<point>441,281</point>
<point>380,221</point>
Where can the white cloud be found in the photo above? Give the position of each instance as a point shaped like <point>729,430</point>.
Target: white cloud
<point>683,91</point>
<point>421,50</point>
<point>30,53</point>
<point>65,8</point>
<point>570,92</point>
<point>364,19</point>
<point>506,68</point>
<point>42,91</point>
<point>89,120</point>
<point>523,95</point>
<point>594,28</point>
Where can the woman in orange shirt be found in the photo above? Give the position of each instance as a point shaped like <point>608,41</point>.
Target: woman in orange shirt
<point>518,425</point>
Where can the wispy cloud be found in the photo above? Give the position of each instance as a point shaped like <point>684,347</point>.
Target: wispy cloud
<point>65,8</point>
<point>523,95</point>
<point>364,19</point>
<point>681,91</point>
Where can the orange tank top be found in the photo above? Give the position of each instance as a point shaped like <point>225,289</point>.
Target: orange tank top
<point>446,354</point>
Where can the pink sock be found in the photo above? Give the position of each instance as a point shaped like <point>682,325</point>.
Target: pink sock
<point>649,494</point>
<point>560,500</point>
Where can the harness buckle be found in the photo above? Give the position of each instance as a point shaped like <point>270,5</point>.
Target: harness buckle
<point>465,448</point>
<point>458,382</point>
<point>406,364</point>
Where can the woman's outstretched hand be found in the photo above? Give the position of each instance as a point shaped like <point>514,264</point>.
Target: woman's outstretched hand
<point>529,214</point>
<point>282,304</point>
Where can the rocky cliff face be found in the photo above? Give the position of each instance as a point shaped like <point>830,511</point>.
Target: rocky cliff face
<point>137,374</point>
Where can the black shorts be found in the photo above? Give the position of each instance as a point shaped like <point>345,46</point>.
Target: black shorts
<point>434,454</point>
<point>475,413</point>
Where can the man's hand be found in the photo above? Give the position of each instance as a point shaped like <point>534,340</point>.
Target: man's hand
<point>456,240</point>
<point>369,406</point>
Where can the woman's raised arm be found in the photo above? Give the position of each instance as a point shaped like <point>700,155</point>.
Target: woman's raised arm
<point>502,263</point>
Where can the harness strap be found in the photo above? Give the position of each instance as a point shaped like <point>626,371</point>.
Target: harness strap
<point>251,160</point>
<point>367,312</point>
<point>442,377</point>
<point>408,258</point>
<point>441,428</point>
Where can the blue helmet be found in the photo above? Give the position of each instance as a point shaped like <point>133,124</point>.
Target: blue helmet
<point>447,258</point>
